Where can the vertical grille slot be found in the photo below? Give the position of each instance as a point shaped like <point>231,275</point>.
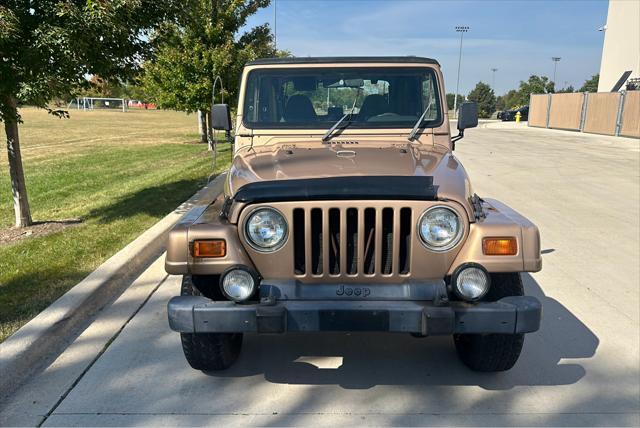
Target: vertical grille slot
<point>387,241</point>
<point>316,241</point>
<point>340,241</point>
<point>405,241</point>
<point>352,241</point>
<point>298,242</point>
<point>334,241</point>
<point>369,240</point>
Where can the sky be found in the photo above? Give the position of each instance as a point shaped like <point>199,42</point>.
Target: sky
<point>516,37</point>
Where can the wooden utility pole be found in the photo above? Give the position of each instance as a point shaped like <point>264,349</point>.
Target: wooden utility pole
<point>18,186</point>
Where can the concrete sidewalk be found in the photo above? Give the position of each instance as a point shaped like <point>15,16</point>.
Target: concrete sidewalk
<point>581,368</point>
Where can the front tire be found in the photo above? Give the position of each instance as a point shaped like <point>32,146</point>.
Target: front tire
<point>208,351</point>
<point>493,352</point>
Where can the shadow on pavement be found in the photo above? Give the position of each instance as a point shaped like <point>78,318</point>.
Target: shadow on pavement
<point>364,360</point>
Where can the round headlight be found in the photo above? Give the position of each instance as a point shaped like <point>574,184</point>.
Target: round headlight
<point>266,229</point>
<point>238,284</point>
<point>440,228</point>
<point>471,282</point>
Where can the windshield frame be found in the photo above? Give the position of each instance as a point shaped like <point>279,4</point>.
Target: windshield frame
<point>357,126</point>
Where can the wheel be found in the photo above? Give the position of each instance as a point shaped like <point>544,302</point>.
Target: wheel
<point>208,351</point>
<point>493,352</point>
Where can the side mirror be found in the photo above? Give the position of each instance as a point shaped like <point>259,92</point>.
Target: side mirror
<point>467,116</point>
<point>220,117</point>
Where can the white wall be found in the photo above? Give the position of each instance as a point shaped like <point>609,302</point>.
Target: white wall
<point>621,50</point>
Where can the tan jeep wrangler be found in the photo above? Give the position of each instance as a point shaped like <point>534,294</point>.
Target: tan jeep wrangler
<point>346,210</point>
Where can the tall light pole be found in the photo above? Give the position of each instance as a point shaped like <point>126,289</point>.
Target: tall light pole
<point>555,60</point>
<point>493,79</point>
<point>275,25</point>
<point>461,30</point>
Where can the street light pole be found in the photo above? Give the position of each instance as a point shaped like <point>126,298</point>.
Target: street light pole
<point>493,79</point>
<point>555,60</point>
<point>461,30</point>
<point>275,25</point>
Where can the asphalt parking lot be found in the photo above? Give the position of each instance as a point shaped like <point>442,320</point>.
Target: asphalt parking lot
<point>581,368</point>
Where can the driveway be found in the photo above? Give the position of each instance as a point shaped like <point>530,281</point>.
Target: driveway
<point>581,368</point>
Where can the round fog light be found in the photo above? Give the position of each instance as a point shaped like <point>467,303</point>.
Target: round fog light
<point>471,282</point>
<point>238,284</point>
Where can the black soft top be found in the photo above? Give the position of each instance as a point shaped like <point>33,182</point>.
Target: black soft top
<point>344,60</point>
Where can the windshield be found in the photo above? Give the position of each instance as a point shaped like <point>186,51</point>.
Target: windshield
<point>316,98</point>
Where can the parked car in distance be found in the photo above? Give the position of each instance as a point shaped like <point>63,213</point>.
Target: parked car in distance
<point>510,115</point>
<point>346,210</point>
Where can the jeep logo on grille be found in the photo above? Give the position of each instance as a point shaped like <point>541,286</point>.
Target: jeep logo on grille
<point>353,291</point>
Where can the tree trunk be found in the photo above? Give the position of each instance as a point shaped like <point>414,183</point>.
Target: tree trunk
<point>202,124</point>
<point>18,186</point>
<point>210,134</point>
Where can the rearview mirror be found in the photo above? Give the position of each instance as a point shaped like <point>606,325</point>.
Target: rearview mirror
<point>467,116</point>
<point>353,83</point>
<point>220,117</point>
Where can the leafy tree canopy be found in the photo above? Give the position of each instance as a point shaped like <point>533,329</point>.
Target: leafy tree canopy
<point>189,54</point>
<point>507,101</point>
<point>486,99</point>
<point>535,85</point>
<point>451,98</point>
<point>591,85</point>
<point>48,47</point>
<point>568,89</point>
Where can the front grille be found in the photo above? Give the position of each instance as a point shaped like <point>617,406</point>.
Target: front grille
<point>351,241</point>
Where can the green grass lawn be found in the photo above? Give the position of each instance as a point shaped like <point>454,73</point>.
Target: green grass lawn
<point>119,172</point>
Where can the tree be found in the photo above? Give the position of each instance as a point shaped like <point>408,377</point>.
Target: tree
<point>535,85</point>
<point>47,49</point>
<point>507,101</point>
<point>591,85</point>
<point>486,99</point>
<point>451,98</point>
<point>569,89</point>
<point>190,54</point>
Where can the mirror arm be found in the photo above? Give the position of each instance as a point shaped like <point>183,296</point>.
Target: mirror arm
<point>458,137</point>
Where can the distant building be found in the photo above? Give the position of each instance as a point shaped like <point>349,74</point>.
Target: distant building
<point>621,51</point>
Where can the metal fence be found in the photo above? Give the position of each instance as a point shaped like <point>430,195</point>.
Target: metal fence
<point>608,113</point>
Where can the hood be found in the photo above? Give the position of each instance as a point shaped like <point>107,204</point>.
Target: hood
<point>299,161</point>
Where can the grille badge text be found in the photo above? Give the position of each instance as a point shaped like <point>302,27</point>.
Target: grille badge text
<point>355,291</point>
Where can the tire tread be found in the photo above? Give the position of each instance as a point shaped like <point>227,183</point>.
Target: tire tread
<point>493,352</point>
<point>208,351</point>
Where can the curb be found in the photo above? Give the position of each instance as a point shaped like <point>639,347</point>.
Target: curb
<point>43,338</point>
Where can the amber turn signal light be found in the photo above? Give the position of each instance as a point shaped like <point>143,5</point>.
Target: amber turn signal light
<point>212,248</point>
<point>499,246</point>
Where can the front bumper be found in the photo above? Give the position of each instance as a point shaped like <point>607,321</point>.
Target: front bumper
<point>191,314</point>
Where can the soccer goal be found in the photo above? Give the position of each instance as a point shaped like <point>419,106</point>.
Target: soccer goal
<point>98,103</point>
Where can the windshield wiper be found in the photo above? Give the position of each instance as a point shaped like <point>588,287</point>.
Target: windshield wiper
<point>414,131</point>
<point>327,135</point>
